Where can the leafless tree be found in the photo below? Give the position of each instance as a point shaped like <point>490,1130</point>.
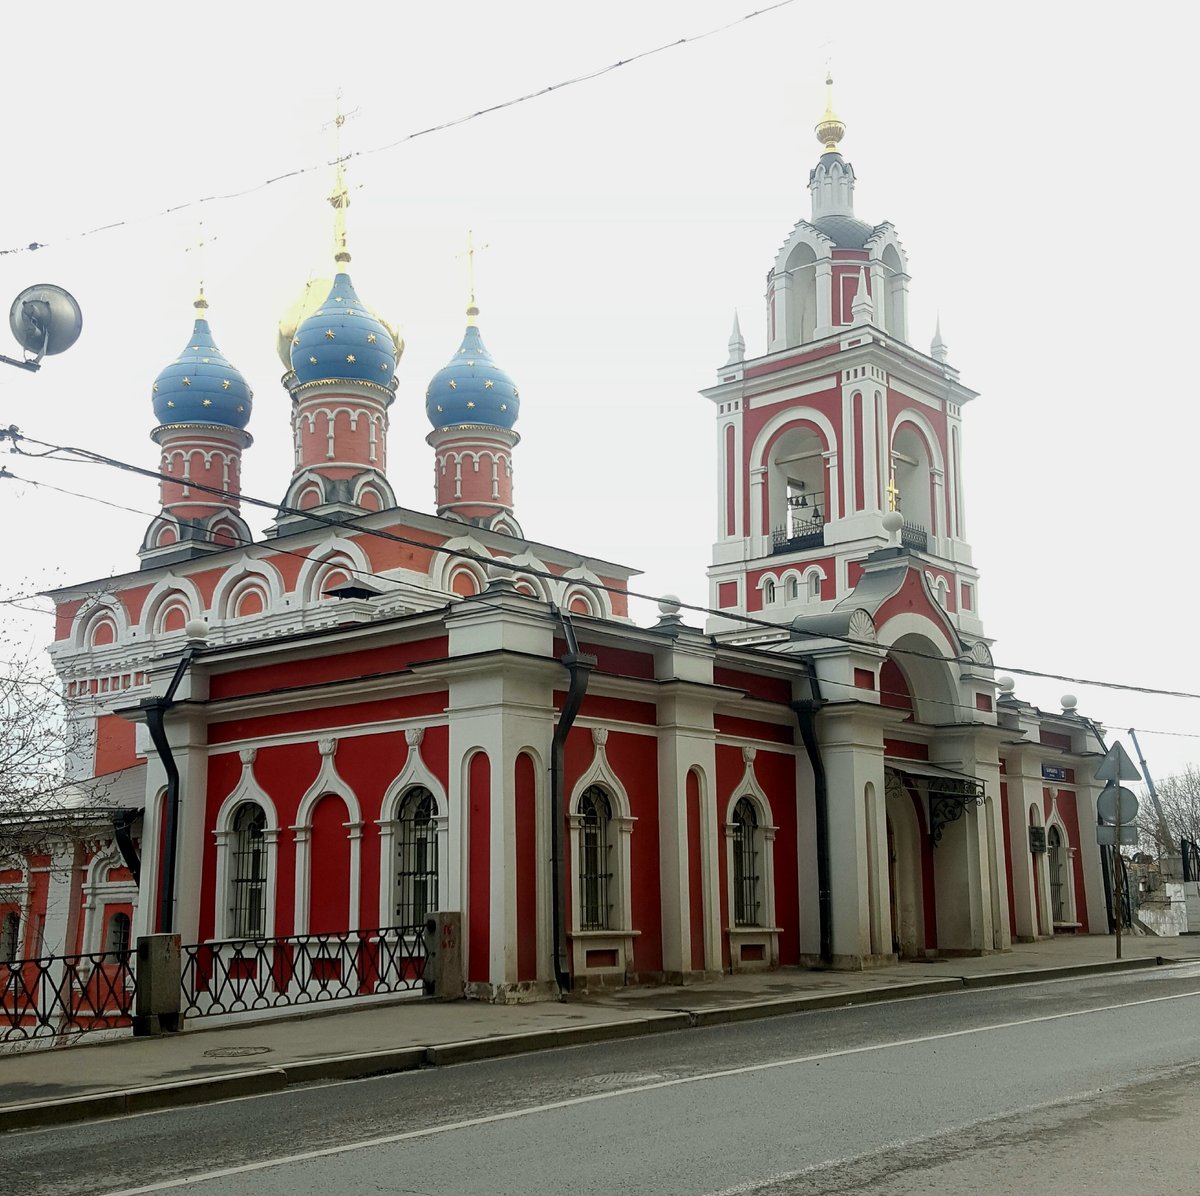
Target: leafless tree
<point>37,740</point>
<point>1179,796</point>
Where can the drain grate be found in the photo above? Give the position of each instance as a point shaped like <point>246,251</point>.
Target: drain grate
<point>235,1052</point>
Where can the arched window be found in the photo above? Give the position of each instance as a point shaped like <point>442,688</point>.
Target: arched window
<point>793,588</point>
<point>769,592</point>
<point>814,586</point>
<point>1054,861</point>
<point>595,863</point>
<point>248,872</point>
<point>746,850</point>
<point>416,858</point>
<point>116,939</point>
<point>10,937</point>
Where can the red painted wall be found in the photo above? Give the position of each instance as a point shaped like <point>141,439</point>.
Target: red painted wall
<point>115,745</point>
<point>695,869</point>
<point>479,866</point>
<point>525,810</point>
<point>329,867</point>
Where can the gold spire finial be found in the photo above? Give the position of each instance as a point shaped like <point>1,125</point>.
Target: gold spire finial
<point>470,252</point>
<point>830,130</point>
<point>339,198</point>
<point>200,303</point>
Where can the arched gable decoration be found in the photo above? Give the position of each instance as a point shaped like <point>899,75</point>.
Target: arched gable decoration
<point>327,782</point>
<point>414,773</point>
<point>104,609</point>
<point>170,591</point>
<point>247,790</point>
<point>234,584</point>
<point>335,553</point>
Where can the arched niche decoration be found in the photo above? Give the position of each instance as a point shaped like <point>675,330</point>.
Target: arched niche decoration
<point>328,783</point>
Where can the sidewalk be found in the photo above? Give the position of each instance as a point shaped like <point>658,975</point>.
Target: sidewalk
<point>104,1079</point>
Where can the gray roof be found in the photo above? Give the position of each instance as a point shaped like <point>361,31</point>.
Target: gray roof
<point>846,232</point>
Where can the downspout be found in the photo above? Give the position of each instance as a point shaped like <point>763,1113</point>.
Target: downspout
<point>579,666</point>
<point>806,717</point>
<point>123,821</point>
<point>155,709</point>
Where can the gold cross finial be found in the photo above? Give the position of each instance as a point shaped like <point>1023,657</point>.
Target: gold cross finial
<point>339,198</point>
<point>893,494</point>
<point>469,253</point>
<point>200,302</point>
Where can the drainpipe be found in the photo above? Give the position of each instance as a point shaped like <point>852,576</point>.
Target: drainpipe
<point>806,717</point>
<point>123,821</point>
<point>155,709</point>
<point>580,666</point>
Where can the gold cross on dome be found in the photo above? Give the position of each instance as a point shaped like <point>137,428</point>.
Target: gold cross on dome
<point>893,494</point>
<point>469,253</point>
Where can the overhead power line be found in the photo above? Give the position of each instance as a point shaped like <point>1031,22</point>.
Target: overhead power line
<point>55,452</point>
<point>441,127</point>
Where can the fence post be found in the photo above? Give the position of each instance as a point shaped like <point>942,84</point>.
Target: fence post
<point>443,973</point>
<point>159,990</point>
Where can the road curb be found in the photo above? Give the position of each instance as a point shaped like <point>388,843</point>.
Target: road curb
<point>147,1099</point>
<point>150,1098</point>
<point>1036,975</point>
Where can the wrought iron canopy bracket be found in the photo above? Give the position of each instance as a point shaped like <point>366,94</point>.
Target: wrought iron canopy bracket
<point>948,800</point>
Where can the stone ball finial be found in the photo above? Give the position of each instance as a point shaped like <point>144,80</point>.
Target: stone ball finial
<point>1069,702</point>
<point>893,521</point>
<point>1006,684</point>
<point>196,631</point>
<point>669,604</point>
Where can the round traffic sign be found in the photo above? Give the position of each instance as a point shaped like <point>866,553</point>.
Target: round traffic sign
<point>1117,800</point>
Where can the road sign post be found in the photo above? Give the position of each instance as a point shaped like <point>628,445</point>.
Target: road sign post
<point>1116,806</point>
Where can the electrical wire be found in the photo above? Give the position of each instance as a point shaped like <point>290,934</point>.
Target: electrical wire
<point>54,452</point>
<point>441,127</point>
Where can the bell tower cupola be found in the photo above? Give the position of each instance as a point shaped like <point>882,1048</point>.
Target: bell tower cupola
<point>838,427</point>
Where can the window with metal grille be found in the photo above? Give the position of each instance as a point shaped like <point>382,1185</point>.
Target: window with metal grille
<point>416,858</point>
<point>116,939</point>
<point>595,870</point>
<point>745,863</point>
<point>248,872</point>
<point>10,938</point>
<point>1054,860</point>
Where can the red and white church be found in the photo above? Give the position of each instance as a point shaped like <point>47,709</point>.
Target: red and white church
<point>367,713</point>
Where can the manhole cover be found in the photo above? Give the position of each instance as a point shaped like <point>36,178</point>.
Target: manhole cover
<point>235,1052</point>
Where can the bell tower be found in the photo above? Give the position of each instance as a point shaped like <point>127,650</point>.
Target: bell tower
<point>838,423</point>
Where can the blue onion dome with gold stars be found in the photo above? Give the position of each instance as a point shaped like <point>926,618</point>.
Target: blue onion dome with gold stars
<point>472,389</point>
<point>344,341</point>
<point>200,386</point>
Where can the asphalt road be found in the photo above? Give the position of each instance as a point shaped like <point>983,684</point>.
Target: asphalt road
<point>1091,1082</point>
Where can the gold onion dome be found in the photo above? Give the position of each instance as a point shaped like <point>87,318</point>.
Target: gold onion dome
<point>829,129</point>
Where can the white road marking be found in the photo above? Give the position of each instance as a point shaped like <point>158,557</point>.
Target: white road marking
<point>592,1098</point>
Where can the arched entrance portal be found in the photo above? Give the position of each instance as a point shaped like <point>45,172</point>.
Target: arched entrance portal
<point>907,887</point>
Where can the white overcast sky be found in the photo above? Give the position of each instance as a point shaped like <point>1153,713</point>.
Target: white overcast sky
<point>1038,160</point>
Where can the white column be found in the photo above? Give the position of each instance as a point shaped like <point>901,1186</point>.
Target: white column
<point>824,278</point>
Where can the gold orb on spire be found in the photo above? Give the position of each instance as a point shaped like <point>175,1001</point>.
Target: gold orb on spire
<point>830,130</point>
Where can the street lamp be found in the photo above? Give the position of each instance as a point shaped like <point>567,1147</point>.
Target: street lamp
<point>46,320</point>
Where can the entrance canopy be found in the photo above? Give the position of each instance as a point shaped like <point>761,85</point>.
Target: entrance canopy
<point>949,792</point>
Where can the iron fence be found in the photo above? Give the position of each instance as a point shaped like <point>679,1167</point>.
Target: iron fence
<point>1190,851</point>
<point>60,996</point>
<point>247,975</point>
